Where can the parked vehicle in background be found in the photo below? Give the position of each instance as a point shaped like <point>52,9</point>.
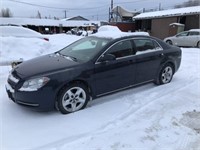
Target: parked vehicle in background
<point>189,38</point>
<point>89,68</point>
<point>19,31</point>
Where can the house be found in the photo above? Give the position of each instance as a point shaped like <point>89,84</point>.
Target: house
<point>76,18</point>
<point>158,23</point>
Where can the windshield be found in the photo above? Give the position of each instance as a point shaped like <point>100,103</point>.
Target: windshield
<point>84,49</point>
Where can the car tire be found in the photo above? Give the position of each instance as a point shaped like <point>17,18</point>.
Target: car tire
<point>165,75</point>
<point>198,44</point>
<point>72,98</point>
<point>169,42</point>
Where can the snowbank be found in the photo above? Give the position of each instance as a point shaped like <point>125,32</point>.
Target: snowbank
<point>14,48</point>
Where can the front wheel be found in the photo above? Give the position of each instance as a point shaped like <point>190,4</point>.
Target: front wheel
<point>73,98</point>
<point>165,75</point>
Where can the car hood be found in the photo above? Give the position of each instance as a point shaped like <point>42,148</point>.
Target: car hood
<point>44,65</point>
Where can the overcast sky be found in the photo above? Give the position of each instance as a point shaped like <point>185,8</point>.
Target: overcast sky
<point>91,9</point>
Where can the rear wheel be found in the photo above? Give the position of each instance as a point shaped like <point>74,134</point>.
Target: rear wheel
<point>169,42</point>
<point>165,75</point>
<point>73,98</point>
<point>198,44</point>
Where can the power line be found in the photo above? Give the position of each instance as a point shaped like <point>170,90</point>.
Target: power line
<point>31,4</point>
<point>131,2</point>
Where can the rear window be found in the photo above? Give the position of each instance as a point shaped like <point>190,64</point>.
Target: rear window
<point>145,45</point>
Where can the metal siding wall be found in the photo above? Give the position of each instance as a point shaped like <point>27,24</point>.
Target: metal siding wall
<point>160,27</point>
<point>192,22</point>
<point>125,27</point>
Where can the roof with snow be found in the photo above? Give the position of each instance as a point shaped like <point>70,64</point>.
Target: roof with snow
<point>76,18</point>
<point>46,22</point>
<point>169,13</point>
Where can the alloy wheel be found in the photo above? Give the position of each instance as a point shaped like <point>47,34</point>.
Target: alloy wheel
<point>74,99</point>
<point>167,74</point>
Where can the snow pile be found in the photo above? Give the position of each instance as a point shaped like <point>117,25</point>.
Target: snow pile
<point>13,48</point>
<point>113,32</point>
<point>109,28</point>
<point>114,35</point>
<point>18,31</point>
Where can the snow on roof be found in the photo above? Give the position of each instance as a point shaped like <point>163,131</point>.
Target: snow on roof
<point>198,30</point>
<point>46,22</point>
<point>113,32</point>
<point>109,28</point>
<point>177,24</point>
<point>169,13</point>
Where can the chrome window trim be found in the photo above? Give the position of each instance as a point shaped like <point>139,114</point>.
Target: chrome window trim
<point>161,49</point>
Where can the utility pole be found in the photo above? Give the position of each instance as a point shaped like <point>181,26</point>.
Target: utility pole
<point>111,13</point>
<point>159,6</point>
<point>65,11</point>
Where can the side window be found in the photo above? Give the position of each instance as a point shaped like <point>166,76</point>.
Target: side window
<point>193,33</point>
<point>182,34</point>
<point>145,46</point>
<point>121,49</point>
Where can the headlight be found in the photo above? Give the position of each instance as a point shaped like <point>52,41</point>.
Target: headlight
<point>34,84</point>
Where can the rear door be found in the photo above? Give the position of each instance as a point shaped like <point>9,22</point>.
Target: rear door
<point>192,38</point>
<point>148,59</point>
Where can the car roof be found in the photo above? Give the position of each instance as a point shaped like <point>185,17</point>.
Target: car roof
<point>198,30</point>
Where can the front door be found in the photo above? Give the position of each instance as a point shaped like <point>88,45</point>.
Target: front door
<point>115,74</point>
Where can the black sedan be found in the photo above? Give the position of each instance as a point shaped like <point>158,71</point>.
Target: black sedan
<point>91,67</point>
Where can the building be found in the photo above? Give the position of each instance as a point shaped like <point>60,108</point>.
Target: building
<point>123,19</point>
<point>158,23</point>
<point>50,25</point>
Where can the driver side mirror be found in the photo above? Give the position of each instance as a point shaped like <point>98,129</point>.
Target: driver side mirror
<point>107,57</point>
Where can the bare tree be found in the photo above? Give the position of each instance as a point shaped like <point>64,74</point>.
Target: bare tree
<point>5,13</point>
<point>188,3</point>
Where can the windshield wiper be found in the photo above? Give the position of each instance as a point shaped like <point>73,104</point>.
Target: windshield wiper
<point>72,58</point>
<point>67,56</point>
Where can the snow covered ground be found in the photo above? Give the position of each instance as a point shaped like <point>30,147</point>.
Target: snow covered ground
<point>147,117</point>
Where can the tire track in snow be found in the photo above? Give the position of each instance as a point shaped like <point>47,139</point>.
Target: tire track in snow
<point>122,118</point>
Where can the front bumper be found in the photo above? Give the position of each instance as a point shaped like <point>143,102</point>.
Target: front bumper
<point>41,100</point>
